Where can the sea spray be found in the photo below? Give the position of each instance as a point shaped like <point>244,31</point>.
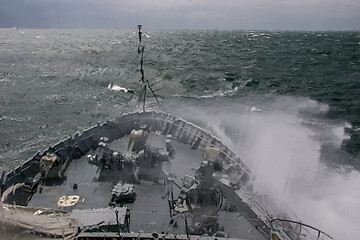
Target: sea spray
<point>283,143</point>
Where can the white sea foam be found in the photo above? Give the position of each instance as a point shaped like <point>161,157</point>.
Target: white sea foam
<point>253,109</point>
<point>357,129</point>
<point>117,88</point>
<point>213,95</point>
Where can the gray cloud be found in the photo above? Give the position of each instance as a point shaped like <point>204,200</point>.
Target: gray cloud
<point>185,14</point>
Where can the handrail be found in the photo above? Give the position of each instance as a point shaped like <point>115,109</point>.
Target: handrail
<point>303,224</point>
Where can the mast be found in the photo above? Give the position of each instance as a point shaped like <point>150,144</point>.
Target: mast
<point>144,83</point>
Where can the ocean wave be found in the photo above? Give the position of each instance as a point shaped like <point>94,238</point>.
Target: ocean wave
<point>213,95</point>
<point>117,88</point>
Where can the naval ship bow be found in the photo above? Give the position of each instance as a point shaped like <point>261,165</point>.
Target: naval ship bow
<point>143,175</point>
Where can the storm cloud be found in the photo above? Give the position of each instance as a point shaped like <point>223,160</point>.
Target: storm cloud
<point>185,14</point>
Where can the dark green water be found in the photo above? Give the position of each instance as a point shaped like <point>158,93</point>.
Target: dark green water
<point>287,102</point>
<point>55,82</point>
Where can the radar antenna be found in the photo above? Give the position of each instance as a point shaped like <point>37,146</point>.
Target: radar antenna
<point>144,83</point>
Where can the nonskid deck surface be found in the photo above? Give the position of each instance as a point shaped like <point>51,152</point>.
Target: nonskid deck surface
<point>150,212</point>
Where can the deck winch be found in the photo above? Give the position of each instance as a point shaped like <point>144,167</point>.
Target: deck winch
<point>123,193</point>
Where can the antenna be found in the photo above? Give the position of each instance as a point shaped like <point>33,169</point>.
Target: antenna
<point>144,83</point>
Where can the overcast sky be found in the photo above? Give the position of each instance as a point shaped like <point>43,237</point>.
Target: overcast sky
<point>183,14</point>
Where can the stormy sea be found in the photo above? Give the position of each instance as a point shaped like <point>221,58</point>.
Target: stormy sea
<point>288,103</point>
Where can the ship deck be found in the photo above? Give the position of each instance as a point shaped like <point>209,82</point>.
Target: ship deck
<point>149,213</point>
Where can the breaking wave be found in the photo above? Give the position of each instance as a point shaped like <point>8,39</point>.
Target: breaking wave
<point>285,144</point>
